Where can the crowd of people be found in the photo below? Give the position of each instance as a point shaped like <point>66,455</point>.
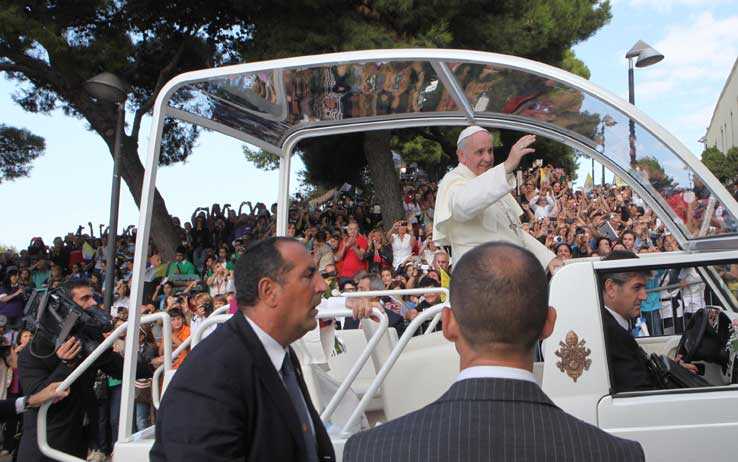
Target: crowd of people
<point>343,231</point>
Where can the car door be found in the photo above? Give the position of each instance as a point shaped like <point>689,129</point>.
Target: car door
<point>677,424</point>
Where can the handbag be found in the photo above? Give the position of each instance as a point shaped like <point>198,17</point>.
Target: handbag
<point>143,391</point>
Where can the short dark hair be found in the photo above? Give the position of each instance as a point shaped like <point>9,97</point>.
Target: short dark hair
<point>75,283</point>
<point>560,245</point>
<point>176,313</point>
<point>428,281</point>
<point>261,260</point>
<point>600,239</point>
<point>375,281</point>
<point>627,231</point>
<point>622,277</point>
<point>499,296</point>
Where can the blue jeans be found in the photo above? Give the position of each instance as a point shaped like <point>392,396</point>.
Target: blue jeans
<point>143,410</point>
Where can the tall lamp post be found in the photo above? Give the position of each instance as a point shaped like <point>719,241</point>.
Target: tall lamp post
<point>644,56</point>
<point>111,89</point>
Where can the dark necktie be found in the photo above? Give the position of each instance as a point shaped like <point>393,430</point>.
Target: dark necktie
<point>298,401</point>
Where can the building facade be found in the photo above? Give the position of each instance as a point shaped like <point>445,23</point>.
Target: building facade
<point>723,130</point>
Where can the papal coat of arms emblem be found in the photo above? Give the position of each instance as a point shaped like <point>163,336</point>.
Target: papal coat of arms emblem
<point>574,356</point>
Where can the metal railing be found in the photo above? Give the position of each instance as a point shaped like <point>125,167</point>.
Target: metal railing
<point>155,395</point>
<point>43,443</point>
<point>196,336</point>
<point>330,314</point>
<point>402,292</point>
<point>414,325</point>
<point>363,358</point>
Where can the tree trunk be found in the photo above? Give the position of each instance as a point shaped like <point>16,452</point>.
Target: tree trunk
<point>163,232</point>
<point>384,177</point>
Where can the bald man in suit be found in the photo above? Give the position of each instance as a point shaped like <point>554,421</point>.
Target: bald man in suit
<point>494,410</point>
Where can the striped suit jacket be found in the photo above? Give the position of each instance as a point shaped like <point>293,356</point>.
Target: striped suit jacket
<point>485,420</point>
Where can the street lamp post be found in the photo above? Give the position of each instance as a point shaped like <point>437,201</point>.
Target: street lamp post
<point>109,88</point>
<point>644,55</point>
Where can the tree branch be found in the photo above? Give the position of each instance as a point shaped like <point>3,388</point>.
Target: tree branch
<point>34,67</point>
<point>10,67</point>
<point>164,74</point>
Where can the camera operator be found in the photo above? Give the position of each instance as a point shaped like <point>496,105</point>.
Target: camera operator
<point>40,365</point>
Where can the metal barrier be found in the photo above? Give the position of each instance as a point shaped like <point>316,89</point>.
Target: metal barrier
<point>222,310</point>
<point>43,444</point>
<point>419,291</point>
<point>219,318</point>
<point>356,368</point>
<point>196,336</point>
<point>391,360</point>
<point>432,312</point>
<point>155,395</point>
<point>342,389</point>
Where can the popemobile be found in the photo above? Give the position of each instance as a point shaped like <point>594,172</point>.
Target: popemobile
<point>379,377</point>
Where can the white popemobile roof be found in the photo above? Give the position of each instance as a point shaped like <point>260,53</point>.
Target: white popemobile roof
<point>274,104</point>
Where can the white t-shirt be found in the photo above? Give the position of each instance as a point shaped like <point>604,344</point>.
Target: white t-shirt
<point>401,249</point>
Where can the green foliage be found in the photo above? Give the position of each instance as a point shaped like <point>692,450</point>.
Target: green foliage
<point>543,30</point>
<point>18,148</point>
<point>655,171</point>
<point>50,48</point>
<point>332,161</point>
<point>732,157</point>
<point>426,153</point>
<point>261,159</point>
<point>571,63</point>
<point>723,166</point>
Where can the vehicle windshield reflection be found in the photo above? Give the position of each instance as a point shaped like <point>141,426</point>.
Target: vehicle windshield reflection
<point>270,105</point>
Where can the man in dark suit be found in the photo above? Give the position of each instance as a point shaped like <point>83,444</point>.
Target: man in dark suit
<point>240,395</point>
<point>11,407</point>
<point>494,410</point>
<point>622,294</point>
<point>65,426</point>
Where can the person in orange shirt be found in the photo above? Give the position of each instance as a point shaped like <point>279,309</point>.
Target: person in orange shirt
<point>180,333</point>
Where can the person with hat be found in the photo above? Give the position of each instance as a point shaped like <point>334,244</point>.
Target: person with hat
<point>474,204</point>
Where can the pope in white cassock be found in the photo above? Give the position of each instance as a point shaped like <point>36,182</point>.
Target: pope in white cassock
<point>474,204</point>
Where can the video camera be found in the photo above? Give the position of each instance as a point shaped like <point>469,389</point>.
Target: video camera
<point>53,316</point>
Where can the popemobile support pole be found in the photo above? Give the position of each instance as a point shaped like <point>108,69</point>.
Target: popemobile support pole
<point>283,199</point>
<point>130,357</point>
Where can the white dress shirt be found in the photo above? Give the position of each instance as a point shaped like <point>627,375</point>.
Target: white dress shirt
<point>19,408</point>
<point>276,353</point>
<point>495,372</point>
<point>274,349</point>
